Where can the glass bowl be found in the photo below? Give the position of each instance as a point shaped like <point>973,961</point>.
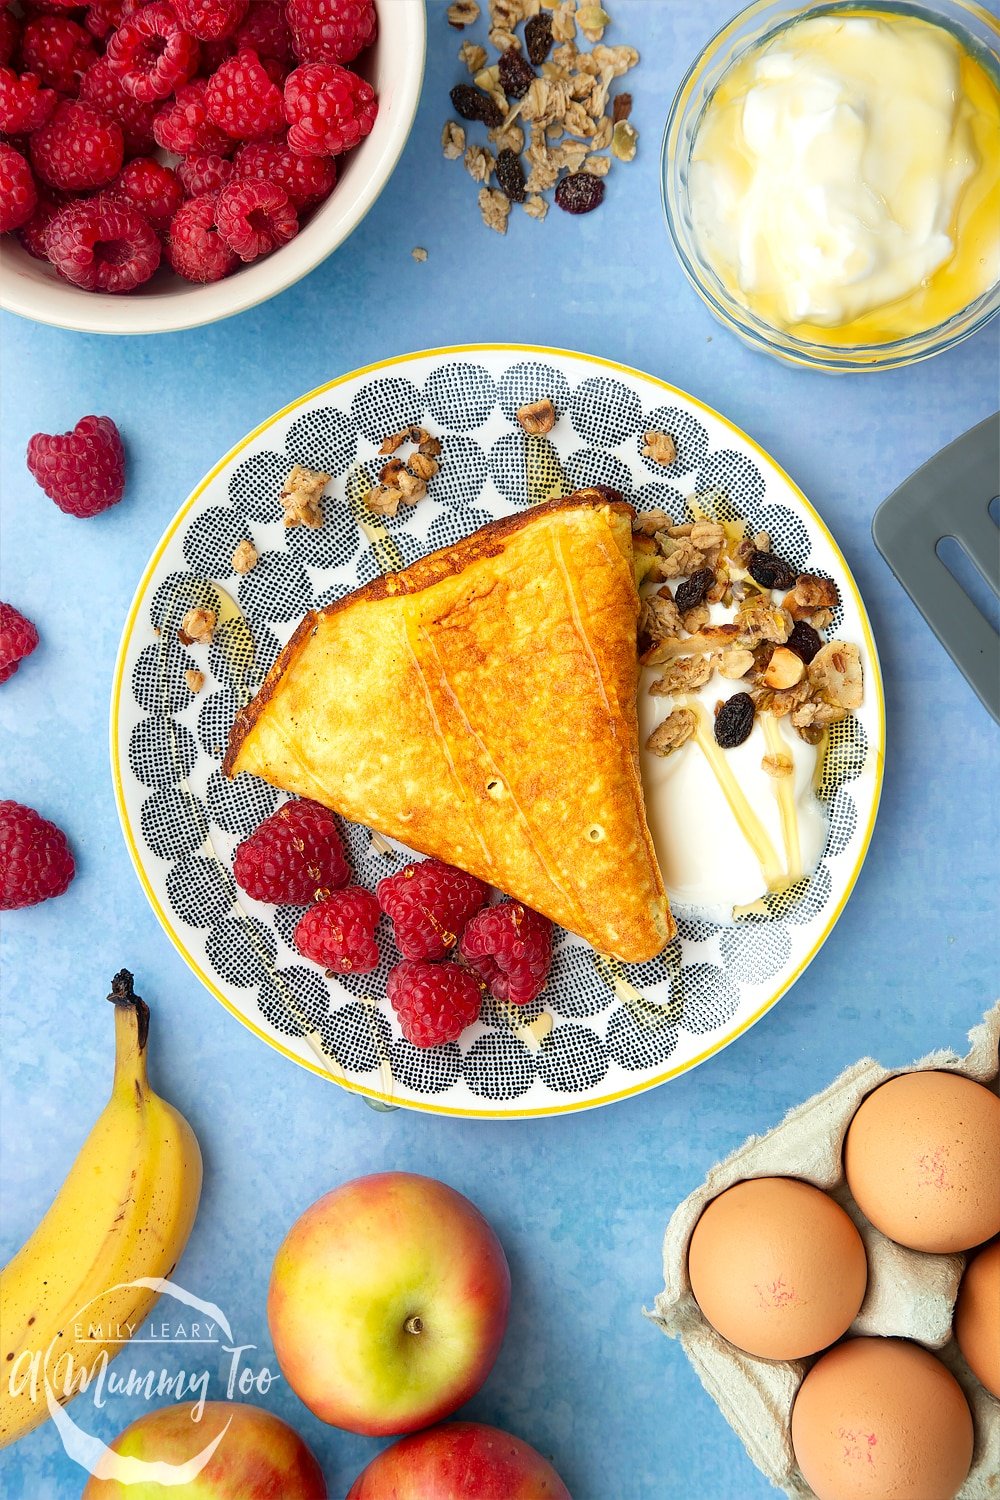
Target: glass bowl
<point>975,27</point>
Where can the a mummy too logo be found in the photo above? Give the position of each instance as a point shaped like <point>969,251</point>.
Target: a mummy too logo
<point>188,1354</point>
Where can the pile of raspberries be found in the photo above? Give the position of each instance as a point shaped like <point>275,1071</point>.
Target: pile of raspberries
<point>453,945</point>
<point>196,132</point>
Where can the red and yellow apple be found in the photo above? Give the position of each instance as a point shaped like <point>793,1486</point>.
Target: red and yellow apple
<point>459,1461</point>
<point>388,1303</point>
<point>259,1457</point>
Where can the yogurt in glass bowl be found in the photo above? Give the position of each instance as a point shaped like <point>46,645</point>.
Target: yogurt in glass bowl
<point>831,178</point>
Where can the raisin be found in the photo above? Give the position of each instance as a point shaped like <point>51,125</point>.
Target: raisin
<point>770,571</point>
<point>579,193</point>
<point>510,175</point>
<point>734,721</point>
<point>621,107</point>
<point>516,74</point>
<point>475,104</point>
<point>538,38</point>
<point>693,590</point>
<point>804,641</point>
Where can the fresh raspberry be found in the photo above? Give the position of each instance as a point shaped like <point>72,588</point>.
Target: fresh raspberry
<point>18,638</point>
<point>306,179</point>
<point>24,104</point>
<point>339,932</point>
<point>331,30</point>
<point>10,35</point>
<point>80,147</point>
<point>58,50</point>
<point>152,54</point>
<point>295,856</point>
<point>33,234</point>
<point>184,128</point>
<point>204,174</point>
<point>429,903</point>
<point>195,248</point>
<point>102,87</point>
<point>18,194</point>
<point>35,859</point>
<point>209,20</point>
<point>329,109</point>
<point>105,16</point>
<point>243,100</point>
<point>266,31</point>
<point>83,471</point>
<point>155,190</point>
<point>434,1002</point>
<point>255,218</point>
<point>511,947</point>
<point>103,244</point>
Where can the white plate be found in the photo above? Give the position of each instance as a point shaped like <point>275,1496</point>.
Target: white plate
<point>613,1033</point>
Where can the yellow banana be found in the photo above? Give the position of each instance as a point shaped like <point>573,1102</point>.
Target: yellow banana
<point>124,1212</point>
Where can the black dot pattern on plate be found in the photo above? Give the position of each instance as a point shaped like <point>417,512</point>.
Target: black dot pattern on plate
<point>369,565</point>
<point>730,485</point>
<point>459,480</point>
<point>752,954</point>
<point>694,985</point>
<point>663,497</point>
<point>332,545</point>
<point>322,439</point>
<point>572,1059</point>
<point>161,752</point>
<point>425,1070</point>
<point>358,1036</point>
<point>238,806</point>
<point>452,525</point>
<point>705,998</point>
<point>640,1039</point>
<point>382,407</point>
<point>460,395</point>
<point>215,719</point>
<point>604,412</point>
<point>158,682</point>
<point>241,950</point>
<point>277,589</point>
<point>846,753</point>
<point>789,535</point>
<point>585,467</point>
<point>173,823</point>
<point>256,484</point>
<point>201,890</point>
<point>212,538</point>
<point>294,1000</point>
<point>689,435</point>
<point>843,817</point>
<point>498,1066</point>
<point>178,593</point>
<point>577,985</point>
<point>530,381</point>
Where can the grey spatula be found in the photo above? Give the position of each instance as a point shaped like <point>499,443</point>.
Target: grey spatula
<point>950,496</point>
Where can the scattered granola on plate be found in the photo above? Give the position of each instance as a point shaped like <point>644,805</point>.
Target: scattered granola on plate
<point>546,104</point>
<point>403,481</point>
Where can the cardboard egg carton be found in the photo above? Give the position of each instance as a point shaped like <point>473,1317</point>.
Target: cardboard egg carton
<point>910,1294</point>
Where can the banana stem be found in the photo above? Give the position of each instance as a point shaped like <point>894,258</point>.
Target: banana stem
<point>131,1036</point>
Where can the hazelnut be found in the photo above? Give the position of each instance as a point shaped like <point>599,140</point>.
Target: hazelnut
<point>784,670</point>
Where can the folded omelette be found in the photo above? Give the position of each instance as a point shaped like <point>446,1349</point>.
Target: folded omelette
<point>480,706</point>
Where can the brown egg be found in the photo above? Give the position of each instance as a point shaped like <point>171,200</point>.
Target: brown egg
<point>777,1267</point>
<point>977,1317</point>
<point>882,1419</point>
<point>922,1158</point>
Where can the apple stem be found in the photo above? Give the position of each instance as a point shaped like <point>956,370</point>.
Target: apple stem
<point>414,1324</point>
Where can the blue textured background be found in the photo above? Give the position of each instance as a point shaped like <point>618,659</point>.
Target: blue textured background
<point>580,1203</point>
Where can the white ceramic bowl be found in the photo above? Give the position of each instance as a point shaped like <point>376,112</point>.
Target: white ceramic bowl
<point>395,66</point>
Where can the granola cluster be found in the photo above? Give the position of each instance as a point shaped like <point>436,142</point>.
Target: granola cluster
<point>403,481</point>
<point>772,644</point>
<point>546,103</point>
